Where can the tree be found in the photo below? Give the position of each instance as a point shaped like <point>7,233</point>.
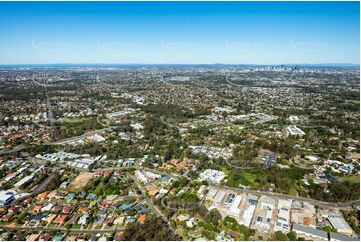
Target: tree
<point>329,229</point>
<point>292,235</point>
<point>152,229</point>
<point>213,216</point>
<point>279,236</point>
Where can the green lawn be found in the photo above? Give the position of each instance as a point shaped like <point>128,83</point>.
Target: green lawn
<point>250,177</point>
<point>351,178</point>
<point>225,170</point>
<point>237,128</point>
<point>76,226</point>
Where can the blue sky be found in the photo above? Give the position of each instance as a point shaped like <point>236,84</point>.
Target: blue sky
<point>179,32</point>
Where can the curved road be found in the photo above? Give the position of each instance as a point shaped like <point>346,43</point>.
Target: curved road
<point>240,167</point>
<point>231,83</point>
<point>57,142</point>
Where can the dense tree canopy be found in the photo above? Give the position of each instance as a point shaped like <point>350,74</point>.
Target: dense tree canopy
<point>152,229</point>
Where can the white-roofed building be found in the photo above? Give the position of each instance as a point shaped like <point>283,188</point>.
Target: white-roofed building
<point>6,197</point>
<point>140,176</point>
<point>235,210</point>
<point>292,130</point>
<point>293,119</point>
<point>83,219</point>
<point>24,180</point>
<point>247,215</point>
<point>212,176</point>
<point>201,191</point>
<point>47,207</point>
<point>219,197</point>
<point>152,175</point>
<point>264,212</point>
<point>283,216</point>
<point>339,223</point>
<point>211,193</point>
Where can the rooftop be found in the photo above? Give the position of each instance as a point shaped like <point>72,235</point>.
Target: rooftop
<point>311,231</point>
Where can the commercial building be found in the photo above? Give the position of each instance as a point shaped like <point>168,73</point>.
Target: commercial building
<point>141,177</point>
<point>263,214</point>
<point>152,175</point>
<point>309,233</point>
<point>247,215</point>
<point>212,176</point>
<point>339,223</point>
<point>292,130</point>
<point>229,200</point>
<point>341,237</point>
<point>234,210</point>
<point>283,216</point>
<point>219,197</point>
<point>6,198</point>
<point>211,193</point>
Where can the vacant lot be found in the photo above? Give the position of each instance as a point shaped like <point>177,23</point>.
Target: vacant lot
<point>80,181</point>
<point>51,182</point>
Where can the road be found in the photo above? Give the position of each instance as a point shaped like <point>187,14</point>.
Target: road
<point>299,166</point>
<point>155,209</point>
<point>41,228</point>
<point>272,194</point>
<point>13,150</point>
<point>50,111</point>
<point>63,141</point>
<point>107,86</point>
<point>58,142</point>
<point>48,106</point>
<point>176,176</point>
<point>120,168</point>
<point>231,83</point>
<point>286,196</point>
<point>240,167</point>
<point>168,124</point>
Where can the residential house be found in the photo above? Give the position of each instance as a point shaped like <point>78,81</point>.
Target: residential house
<point>142,218</point>
<point>60,219</point>
<point>42,196</point>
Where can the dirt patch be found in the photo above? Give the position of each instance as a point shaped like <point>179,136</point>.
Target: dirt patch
<point>80,181</point>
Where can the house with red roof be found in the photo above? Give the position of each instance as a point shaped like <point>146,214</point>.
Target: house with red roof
<point>60,219</point>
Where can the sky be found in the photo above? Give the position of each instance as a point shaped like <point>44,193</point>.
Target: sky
<point>180,32</point>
